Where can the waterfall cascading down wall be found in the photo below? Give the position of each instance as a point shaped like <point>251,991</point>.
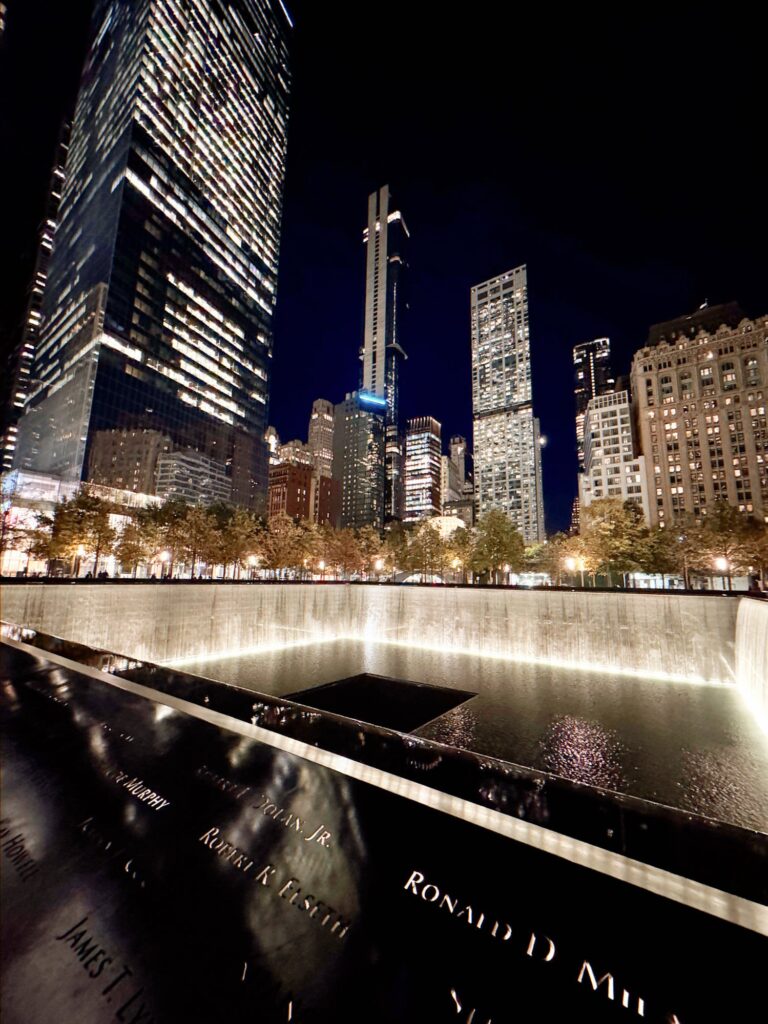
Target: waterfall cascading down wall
<point>672,635</point>
<point>752,656</point>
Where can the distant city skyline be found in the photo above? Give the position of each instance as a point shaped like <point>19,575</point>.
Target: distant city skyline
<point>614,239</point>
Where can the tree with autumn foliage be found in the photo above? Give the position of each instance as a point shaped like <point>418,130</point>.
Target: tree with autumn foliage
<point>81,527</point>
<point>613,535</point>
<point>498,543</point>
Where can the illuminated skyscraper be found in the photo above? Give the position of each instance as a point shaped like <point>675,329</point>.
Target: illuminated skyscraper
<point>19,371</point>
<point>161,291</point>
<point>506,433</point>
<point>320,436</point>
<point>359,433</point>
<point>591,377</point>
<point>613,465</point>
<point>382,353</point>
<point>422,468</point>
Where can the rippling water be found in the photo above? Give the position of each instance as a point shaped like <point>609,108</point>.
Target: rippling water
<point>693,747</point>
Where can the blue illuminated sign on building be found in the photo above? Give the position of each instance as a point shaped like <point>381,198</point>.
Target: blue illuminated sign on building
<point>368,398</point>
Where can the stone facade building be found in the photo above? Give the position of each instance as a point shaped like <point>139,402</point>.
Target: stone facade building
<point>700,405</point>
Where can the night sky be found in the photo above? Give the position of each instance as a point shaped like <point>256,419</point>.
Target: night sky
<point>616,155</point>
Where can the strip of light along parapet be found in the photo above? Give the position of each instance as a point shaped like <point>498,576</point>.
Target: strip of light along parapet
<point>523,659</point>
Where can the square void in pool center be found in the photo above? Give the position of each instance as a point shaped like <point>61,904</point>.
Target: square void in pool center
<point>378,700</point>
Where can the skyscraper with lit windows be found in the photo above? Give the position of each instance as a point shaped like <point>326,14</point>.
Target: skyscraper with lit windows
<point>591,377</point>
<point>21,362</point>
<point>359,438</point>
<point>382,354</point>
<point>320,436</point>
<point>162,284</point>
<point>423,487</point>
<point>507,444</point>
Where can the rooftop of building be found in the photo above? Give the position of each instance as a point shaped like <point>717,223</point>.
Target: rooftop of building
<point>701,333</point>
<point>705,318</point>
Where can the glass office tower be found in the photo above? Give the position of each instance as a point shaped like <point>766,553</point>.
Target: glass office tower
<point>158,310</point>
<point>359,441</point>
<point>506,432</point>
<point>19,368</point>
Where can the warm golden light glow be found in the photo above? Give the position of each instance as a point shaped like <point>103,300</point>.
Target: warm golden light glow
<point>522,659</point>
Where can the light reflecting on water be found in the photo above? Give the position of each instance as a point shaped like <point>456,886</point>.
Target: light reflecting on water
<point>692,747</point>
<point>457,728</point>
<point>584,752</point>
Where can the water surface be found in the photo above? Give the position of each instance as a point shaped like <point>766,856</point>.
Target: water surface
<point>694,747</point>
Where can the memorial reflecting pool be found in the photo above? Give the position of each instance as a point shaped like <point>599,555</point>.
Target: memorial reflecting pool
<point>693,747</point>
<point>557,810</point>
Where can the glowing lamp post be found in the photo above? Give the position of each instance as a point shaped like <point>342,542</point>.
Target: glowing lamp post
<point>165,557</point>
<point>252,563</point>
<point>78,559</point>
<point>378,565</point>
<point>321,567</point>
<point>572,564</point>
<point>723,567</point>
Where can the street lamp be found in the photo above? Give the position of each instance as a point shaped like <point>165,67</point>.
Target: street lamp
<point>252,563</point>
<point>165,557</point>
<point>378,565</point>
<point>572,564</point>
<point>80,553</point>
<point>723,567</point>
<point>321,567</point>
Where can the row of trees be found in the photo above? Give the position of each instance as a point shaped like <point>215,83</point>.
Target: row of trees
<point>175,539</point>
<point>614,542</point>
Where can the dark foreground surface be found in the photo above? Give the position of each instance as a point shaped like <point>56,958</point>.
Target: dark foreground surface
<point>162,867</point>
